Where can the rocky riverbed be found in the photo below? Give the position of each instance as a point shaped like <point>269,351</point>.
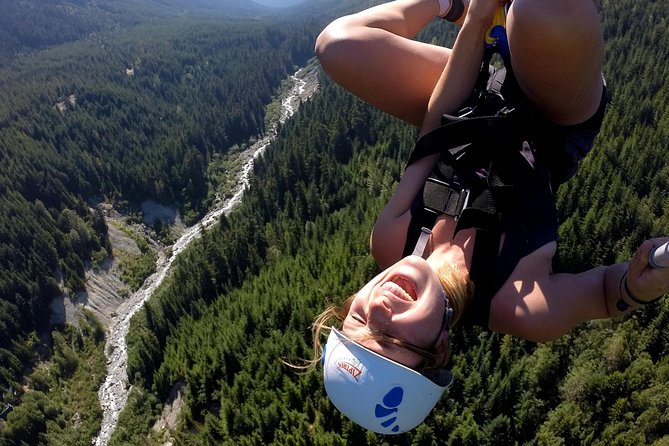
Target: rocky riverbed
<point>107,296</point>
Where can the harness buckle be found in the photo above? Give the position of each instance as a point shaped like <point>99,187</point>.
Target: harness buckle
<point>439,198</point>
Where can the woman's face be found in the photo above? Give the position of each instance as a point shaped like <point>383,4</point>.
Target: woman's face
<point>404,302</point>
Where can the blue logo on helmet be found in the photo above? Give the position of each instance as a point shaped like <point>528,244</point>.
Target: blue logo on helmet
<point>391,401</point>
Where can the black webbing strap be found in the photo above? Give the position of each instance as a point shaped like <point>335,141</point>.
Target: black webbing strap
<point>482,145</point>
<point>486,206</point>
<point>441,198</point>
<point>480,131</point>
<point>480,208</point>
<point>483,275</point>
<point>437,198</point>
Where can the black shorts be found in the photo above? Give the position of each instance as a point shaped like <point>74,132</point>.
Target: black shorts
<point>571,143</point>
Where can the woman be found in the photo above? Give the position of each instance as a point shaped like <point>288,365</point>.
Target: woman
<point>398,323</point>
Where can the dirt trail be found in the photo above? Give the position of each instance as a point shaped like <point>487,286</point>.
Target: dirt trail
<point>114,391</point>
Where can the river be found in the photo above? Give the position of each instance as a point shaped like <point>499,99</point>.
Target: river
<point>113,393</point>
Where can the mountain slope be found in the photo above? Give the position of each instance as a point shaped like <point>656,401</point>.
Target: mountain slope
<point>30,25</point>
<point>299,241</point>
<point>122,116</point>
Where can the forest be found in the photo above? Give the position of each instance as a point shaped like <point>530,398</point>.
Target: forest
<point>241,300</point>
<point>120,116</point>
<point>27,26</point>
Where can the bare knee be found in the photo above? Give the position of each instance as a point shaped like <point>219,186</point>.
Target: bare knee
<point>323,41</point>
<point>563,25</point>
<point>332,43</point>
<point>558,9</point>
<point>557,51</point>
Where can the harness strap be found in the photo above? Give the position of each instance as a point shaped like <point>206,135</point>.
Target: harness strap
<point>487,205</point>
<point>437,198</point>
<point>419,250</point>
<point>419,219</point>
<point>483,273</point>
<point>441,198</point>
<point>480,164</point>
<point>462,132</point>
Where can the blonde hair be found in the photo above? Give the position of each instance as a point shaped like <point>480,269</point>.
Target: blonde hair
<point>458,288</point>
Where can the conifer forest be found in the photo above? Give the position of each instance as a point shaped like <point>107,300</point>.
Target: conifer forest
<point>134,104</point>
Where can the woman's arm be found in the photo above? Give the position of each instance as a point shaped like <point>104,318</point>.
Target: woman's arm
<point>461,72</point>
<point>539,306</point>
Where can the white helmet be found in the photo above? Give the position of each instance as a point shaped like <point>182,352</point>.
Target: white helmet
<point>375,392</point>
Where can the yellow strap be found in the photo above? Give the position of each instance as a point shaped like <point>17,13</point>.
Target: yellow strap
<point>498,20</point>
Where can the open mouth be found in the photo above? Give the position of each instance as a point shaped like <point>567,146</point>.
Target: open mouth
<point>402,288</point>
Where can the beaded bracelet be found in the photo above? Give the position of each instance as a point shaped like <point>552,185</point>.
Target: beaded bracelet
<point>621,304</point>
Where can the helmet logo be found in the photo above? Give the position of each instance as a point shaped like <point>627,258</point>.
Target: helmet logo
<point>350,369</point>
<point>391,401</point>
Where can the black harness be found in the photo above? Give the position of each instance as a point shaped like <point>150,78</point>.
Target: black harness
<point>485,152</point>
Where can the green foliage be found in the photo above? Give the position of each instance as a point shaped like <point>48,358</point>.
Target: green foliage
<point>31,25</point>
<point>60,405</point>
<point>132,428</point>
<point>619,196</point>
<point>136,268</point>
<point>243,297</point>
<point>124,116</point>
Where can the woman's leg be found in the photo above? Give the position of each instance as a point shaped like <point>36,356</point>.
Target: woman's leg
<point>557,50</point>
<point>372,54</point>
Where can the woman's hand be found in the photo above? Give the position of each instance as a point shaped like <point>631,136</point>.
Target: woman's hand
<point>483,11</point>
<point>643,281</point>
